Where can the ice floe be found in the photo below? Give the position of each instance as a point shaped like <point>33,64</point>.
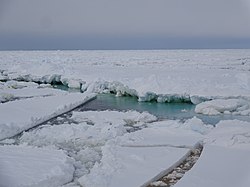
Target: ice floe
<point>23,166</point>
<point>224,160</point>
<point>224,106</point>
<point>21,115</point>
<point>219,166</point>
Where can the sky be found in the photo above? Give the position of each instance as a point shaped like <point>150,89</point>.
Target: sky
<point>124,24</point>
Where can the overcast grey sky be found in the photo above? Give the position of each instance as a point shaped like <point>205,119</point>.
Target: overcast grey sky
<point>124,24</point>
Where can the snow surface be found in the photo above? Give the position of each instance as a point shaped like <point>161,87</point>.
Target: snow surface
<point>135,158</point>
<point>217,167</point>
<point>225,159</point>
<point>164,76</point>
<point>22,166</point>
<point>84,140</point>
<point>102,151</point>
<point>20,115</point>
<point>24,93</point>
<point>224,106</point>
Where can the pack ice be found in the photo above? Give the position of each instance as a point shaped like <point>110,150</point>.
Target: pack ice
<point>111,148</point>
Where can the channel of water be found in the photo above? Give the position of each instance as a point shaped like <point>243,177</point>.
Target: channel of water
<point>173,111</point>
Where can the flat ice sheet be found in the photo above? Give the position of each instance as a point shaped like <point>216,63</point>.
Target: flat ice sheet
<point>139,165</point>
<point>219,166</point>
<point>17,116</point>
<point>22,166</point>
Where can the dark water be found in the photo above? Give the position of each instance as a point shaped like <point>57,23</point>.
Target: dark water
<point>181,111</point>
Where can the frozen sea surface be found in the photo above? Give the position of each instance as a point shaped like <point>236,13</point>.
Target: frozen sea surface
<point>98,148</point>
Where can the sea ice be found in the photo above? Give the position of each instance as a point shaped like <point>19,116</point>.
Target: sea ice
<point>226,106</point>
<point>84,141</point>
<point>135,158</point>
<point>106,154</point>
<point>22,166</point>
<point>31,112</point>
<point>225,158</point>
<point>219,166</point>
<point>163,76</point>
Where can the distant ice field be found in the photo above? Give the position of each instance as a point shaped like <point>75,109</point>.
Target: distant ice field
<point>192,76</point>
<point>164,75</point>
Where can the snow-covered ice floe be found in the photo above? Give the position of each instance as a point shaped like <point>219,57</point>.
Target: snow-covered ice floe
<point>219,166</point>
<point>20,115</point>
<point>225,158</point>
<point>13,90</point>
<point>23,166</point>
<point>224,106</point>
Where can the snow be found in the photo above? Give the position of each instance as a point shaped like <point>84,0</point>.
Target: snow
<point>12,90</point>
<point>163,76</point>
<point>135,158</point>
<point>196,125</point>
<point>230,133</point>
<point>9,94</point>
<point>111,148</point>
<point>22,166</point>
<point>31,112</point>
<point>225,159</point>
<point>83,141</point>
<point>219,166</point>
<point>226,106</point>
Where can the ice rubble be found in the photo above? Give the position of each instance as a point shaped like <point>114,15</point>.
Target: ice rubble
<point>135,158</point>
<point>128,156</point>
<point>31,112</point>
<point>104,154</point>
<point>22,166</point>
<point>83,141</point>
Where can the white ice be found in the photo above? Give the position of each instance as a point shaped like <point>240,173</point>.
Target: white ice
<point>164,76</point>
<point>20,115</point>
<point>12,90</point>
<point>217,167</point>
<point>225,159</point>
<point>100,146</point>
<point>83,141</point>
<point>22,166</point>
<point>224,106</point>
<point>135,158</point>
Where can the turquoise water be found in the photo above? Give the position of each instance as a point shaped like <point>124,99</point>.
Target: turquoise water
<point>162,110</point>
<point>180,111</point>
